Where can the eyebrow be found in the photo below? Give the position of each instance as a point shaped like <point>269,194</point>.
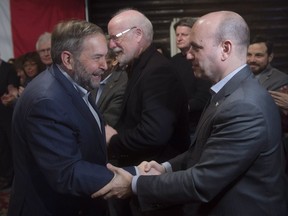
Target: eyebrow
<point>193,44</point>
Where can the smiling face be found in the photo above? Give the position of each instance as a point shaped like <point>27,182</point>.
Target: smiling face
<point>91,63</point>
<point>128,37</point>
<point>124,46</point>
<point>30,68</point>
<point>258,58</point>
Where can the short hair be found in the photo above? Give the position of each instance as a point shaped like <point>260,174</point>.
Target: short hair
<point>34,57</point>
<point>185,21</point>
<point>46,36</point>
<point>263,39</point>
<point>69,36</point>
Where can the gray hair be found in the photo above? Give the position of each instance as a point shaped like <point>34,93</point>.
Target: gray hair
<point>69,36</point>
<point>141,21</point>
<point>46,36</point>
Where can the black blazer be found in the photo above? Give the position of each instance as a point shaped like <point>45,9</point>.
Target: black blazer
<point>235,166</point>
<point>111,98</point>
<point>197,90</point>
<point>59,152</point>
<point>153,123</point>
<point>7,76</point>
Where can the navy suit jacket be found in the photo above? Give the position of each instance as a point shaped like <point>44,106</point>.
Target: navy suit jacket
<point>59,151</point>
<point>235,166</point>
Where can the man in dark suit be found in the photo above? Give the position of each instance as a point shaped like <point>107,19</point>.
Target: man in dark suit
<point>235,164</point>
<point>154,120</point>
<point>59,145</point>
<point>109,96</point>
<point>259,57</point>
<point>197,90</point>
<point>8,79</point>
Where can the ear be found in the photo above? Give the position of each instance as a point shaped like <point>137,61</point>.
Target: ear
<point>226,48</point>
<point>67,59</point>
<point>139,34</point>
<point>270,57</point>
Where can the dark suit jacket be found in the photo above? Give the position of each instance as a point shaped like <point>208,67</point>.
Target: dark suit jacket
<point>197,90</point>
<point>59,151</point>
<point>153,123</point>
<point>7,76</point>
<point>235,166</point>
<point>111,98</point>
<point>272,79</point>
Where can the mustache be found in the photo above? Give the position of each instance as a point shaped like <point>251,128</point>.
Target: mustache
<point>253,64</point>
<point>117,49</point>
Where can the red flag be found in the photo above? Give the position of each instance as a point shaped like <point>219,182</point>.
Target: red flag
<point>31,18</point>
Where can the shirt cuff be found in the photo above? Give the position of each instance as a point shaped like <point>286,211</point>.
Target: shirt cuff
<point>134,184</point>
<point>167,166</point>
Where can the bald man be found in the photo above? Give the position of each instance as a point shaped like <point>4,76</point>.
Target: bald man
<point>153,123</point>
<point>235,164</point>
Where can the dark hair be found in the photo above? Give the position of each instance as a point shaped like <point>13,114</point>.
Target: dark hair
<point>18,63</point>
<point>185,21</point>
<point>34,57</point>
<point>263,39</point>
<point>69,35</point>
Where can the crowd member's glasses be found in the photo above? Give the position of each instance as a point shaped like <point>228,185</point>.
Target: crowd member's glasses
<point>44,51</point>
<point>119,35</point>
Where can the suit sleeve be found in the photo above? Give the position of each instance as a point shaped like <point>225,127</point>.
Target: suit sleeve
<point>55,140</point>
<point>236,140</point>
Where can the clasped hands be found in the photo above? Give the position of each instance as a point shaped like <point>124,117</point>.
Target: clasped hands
<point>120,185</point>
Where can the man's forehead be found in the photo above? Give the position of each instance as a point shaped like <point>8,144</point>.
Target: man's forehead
<point>258,46</point>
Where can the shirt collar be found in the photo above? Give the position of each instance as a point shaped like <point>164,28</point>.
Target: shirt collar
<point>218,86</point>
<point>80,89</point>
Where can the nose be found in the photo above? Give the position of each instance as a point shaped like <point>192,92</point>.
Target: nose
<point>103,64</point>
<point>112,44</point>
<point>190,55</point>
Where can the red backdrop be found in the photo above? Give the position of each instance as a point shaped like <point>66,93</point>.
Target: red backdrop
<point>31,18</point>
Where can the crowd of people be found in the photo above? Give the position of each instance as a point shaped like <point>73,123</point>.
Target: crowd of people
<point>100,124</point>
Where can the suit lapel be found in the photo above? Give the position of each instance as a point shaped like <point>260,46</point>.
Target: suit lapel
<point>80,105</point>
<point>218,99</point>
<point>111,82</point>
<point>138,70</point>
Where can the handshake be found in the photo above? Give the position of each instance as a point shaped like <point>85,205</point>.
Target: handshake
<point>121,185</point>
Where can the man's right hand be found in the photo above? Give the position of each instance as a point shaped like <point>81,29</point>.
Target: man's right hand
<point>150,168</point>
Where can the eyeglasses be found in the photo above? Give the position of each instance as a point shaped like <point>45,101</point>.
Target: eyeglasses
<point>119,35</point>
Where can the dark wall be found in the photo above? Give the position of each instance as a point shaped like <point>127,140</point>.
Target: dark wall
<point>268,17</point>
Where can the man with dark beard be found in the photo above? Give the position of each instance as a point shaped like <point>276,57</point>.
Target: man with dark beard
<point>59,144</point>
<point>259,57</point>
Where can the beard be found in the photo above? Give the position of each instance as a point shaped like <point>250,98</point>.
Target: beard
<point>84,78</point>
